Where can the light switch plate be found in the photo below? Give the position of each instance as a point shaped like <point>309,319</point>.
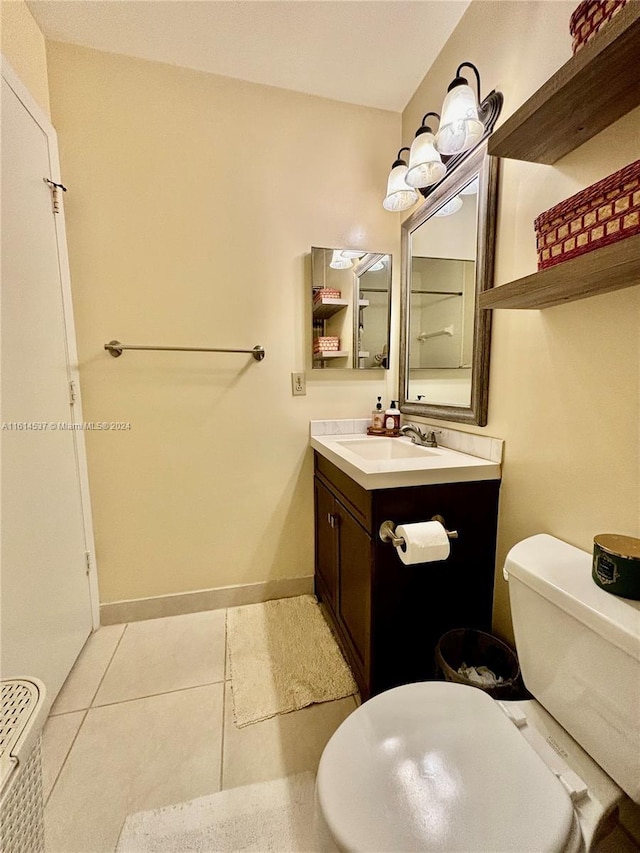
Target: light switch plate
<point>298,384</point>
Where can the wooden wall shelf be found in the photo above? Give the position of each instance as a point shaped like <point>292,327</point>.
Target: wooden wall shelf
<point>597,86</point>
<point>320,356</point>
<point>326,307</point>
<point>610,268</point>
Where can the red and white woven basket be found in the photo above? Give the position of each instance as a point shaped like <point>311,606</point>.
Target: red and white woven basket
<point>329,343</point>
<point>603,213</point>
<point>590,17</point>
<point>326,293</point>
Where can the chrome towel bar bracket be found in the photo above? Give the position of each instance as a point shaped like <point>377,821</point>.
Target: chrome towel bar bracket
<point>387,531</point>
<point>116,349</point>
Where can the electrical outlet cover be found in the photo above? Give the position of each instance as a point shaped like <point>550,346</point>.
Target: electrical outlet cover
<point>298,384</point>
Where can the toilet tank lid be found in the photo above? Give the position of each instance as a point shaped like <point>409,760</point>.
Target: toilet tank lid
<point>561,573</point>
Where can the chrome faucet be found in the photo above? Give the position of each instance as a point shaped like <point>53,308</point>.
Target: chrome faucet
<point>418,437</point>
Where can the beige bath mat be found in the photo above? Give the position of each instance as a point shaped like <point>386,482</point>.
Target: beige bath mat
<point>268,817</point>
<point>283,657</point>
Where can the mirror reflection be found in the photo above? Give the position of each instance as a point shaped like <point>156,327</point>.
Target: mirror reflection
<point>373,277</point>
<point>350,309</point>
<point>442,304</point>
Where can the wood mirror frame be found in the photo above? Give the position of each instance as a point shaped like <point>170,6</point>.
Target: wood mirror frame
<point>486,167</point>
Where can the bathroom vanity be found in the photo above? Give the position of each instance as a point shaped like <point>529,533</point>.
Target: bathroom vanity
<point>386,615</point>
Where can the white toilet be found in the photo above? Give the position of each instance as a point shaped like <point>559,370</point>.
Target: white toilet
<point>441,766</point>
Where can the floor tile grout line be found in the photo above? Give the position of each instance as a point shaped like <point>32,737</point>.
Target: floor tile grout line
<point>224,703</point>
<point>62,766</point>
<point>85,710</point>
<point>95,692</point>
<point>106,669</point>
<point>154,695</point>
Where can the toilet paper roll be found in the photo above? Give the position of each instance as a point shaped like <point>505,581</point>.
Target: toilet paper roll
<point>425,542</point>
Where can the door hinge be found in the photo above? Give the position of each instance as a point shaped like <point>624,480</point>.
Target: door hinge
<point>55,198</point>
<point>72,392</point>
<point>87,559</point>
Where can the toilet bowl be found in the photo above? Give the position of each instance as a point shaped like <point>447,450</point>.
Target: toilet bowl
<point>438,766</point>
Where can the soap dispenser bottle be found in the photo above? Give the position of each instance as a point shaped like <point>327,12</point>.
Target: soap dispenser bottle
<point>377,416</point>
<point>392,418</point>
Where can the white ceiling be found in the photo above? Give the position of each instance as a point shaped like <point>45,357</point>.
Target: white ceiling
<point>369,52</point>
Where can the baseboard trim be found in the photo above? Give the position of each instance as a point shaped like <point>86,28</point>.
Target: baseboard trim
<point>139,609</point>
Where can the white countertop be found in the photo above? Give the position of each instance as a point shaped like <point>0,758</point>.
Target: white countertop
<point>426,466</point>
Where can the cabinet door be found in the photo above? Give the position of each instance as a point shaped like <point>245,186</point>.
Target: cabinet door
<point>326,545</point>
<point>354,584</point>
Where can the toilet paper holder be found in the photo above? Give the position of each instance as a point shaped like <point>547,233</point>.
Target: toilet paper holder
<point>387,531</point>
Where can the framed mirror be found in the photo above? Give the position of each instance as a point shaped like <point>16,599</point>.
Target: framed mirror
<point>351,307</point>
<point>447,261</point>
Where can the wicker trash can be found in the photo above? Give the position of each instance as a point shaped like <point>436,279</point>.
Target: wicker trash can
<point>21,807</point>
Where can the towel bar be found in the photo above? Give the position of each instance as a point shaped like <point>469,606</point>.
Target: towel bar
<point>116,349</point>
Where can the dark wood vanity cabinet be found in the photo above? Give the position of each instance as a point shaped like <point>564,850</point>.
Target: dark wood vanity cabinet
<point>343,573</point>
<point>388,616</point>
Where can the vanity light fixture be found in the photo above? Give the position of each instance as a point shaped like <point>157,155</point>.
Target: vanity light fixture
<point>347,253</point>
<point>425,164</point>
<point>400,196</point>
<point>449,207</point>
<point>379,265</point>
<point>464,125</point>
<point>460,127</point>
<point>338,262</point>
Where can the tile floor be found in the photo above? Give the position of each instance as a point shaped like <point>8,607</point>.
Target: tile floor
<point>145,720</point>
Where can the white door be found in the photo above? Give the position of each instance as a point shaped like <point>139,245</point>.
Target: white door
<point>46,605</point>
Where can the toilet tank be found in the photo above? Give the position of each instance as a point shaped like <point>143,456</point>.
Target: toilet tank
<point>579,650</point>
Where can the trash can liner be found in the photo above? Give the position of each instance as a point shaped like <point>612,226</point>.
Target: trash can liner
<point>478,651</point>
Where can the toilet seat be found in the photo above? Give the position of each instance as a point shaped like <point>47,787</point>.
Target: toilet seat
<point>436,766</point>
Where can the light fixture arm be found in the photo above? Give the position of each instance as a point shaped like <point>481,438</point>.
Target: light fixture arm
<point>425,117</point>
<point>475,71</point>
<point>399,161</point>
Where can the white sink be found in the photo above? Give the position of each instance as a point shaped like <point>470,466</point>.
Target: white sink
<point>379,447</point>
<point>377,462</point>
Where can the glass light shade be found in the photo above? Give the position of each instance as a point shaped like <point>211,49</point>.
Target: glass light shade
<point>399,195</point>
<point>338,262</point>
<point>347,253</point>
<point>425,164</point>
<point>470,189</point>
<point>379,265</point>
<point>460,128</point>
<point>452,206</point>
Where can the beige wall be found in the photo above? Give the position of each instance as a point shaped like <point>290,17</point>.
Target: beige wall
<point>565,381</point>
<point>23,46</point>
<point>193,203</point>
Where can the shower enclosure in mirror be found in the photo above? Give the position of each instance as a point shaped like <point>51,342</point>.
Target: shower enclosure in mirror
<point>351,297</point>
<point>447,260</point>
